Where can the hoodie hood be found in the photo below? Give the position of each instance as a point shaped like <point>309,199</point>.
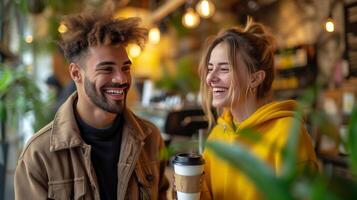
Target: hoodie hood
<point>265,113</point>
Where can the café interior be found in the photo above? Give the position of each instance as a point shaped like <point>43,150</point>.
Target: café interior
<point>316,51</point>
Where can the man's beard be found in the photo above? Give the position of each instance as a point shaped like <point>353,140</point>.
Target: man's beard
<point>100,100</point>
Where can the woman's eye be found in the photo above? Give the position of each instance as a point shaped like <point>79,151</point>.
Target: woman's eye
<point>225,69</point>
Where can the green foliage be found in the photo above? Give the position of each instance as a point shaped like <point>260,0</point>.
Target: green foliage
<point>181,146</point>
<point>352,140</point>
<point>290,151</point>
<point>19,94</point>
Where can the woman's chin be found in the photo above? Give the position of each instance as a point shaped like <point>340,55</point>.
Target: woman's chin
<point>218,105</point>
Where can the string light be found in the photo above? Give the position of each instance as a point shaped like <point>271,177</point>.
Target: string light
<point>29,39</point>
<point>134,50</point>
<point>62,28</point>
<point>154,35</point>
<point>205,8</point>
<point>330,25</point>
<point>190,19</point>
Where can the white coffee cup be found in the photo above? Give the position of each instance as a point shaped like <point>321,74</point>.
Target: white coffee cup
<point>188,171</point>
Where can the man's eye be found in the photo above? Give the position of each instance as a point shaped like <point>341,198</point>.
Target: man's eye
<point>106,69</point>
<point>126,68</point>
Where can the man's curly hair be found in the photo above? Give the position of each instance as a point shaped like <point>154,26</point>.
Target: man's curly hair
<point>97,28</point>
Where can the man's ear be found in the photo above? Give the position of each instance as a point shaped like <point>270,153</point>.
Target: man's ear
<point>75,72</point>
<point>257,78</point>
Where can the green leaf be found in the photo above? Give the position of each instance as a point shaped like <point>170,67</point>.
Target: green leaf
<point>352,140</point>
<point>177,147</point>
<point>319,190</point>
<point>290,150</point>
<point>3,114</point>
<point>250,134</point>
<point>6,78</point>
<point>258,172</point>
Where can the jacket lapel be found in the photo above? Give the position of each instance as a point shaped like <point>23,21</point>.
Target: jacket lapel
<point>65,132</point>
<point>133,136</point>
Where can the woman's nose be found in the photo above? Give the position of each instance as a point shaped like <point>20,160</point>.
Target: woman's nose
<point>212,76</point>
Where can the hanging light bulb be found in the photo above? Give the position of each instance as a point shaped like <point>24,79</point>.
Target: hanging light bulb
<point>62,28</point>
<point>330,25</point>
<point>154,35</point>
<point>134,50</point>
<point>205,8</point>
<point>29,39</point>
<point>190,19</point>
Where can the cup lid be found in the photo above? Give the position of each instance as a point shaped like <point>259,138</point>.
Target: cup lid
<point>188,159</point>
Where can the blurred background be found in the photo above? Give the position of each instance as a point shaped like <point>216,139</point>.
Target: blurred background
<point>316,46</point>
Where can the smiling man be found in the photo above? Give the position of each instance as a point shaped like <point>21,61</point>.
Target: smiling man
<point>95,148</point>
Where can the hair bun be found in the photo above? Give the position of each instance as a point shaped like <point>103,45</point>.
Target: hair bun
<point>260,31</point>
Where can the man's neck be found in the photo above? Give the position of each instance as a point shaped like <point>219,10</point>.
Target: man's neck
<point>94,116</point>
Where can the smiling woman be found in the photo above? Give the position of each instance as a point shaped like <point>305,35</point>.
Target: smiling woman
<point>236,71</point>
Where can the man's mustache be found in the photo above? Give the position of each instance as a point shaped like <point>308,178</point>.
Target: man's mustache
<point>117,85</point>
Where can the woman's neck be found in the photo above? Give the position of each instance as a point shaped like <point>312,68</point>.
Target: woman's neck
<point>243,110</point>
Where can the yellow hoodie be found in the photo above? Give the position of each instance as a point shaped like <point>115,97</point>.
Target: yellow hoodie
<point>273,122</point>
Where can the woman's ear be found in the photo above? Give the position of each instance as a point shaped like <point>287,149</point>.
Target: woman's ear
<point>257,78</point>
<point>75,72</point>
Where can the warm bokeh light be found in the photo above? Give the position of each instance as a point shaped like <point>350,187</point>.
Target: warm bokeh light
<point>29,39</point>
<point>330,26</point>
<point>190,19</point>
<point>62,28</point>
<point>205,8</point>
<point>154,35</point>
<point>134,50</point>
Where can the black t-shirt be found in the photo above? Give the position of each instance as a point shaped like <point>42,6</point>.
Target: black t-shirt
<point>105,151</point>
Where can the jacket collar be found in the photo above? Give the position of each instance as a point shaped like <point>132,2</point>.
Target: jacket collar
<point>65,132</point>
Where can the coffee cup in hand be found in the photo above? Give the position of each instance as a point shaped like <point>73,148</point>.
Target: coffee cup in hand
<point>188,173</point>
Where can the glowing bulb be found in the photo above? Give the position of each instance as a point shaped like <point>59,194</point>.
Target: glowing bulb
<point>62,28</point>
<point>330,26</point>
<point>205,8</point>
<point>134,50</point>
<point>29,39</point>
<point>190,19</point>
<point>154,35</point>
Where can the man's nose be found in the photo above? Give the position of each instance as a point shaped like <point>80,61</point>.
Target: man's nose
<point>119,78</point>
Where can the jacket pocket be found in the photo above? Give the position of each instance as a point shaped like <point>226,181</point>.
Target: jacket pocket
<point>147,177</point>
<point>66,189</point>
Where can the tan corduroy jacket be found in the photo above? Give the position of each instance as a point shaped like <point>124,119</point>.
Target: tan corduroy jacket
<point>56,164</point>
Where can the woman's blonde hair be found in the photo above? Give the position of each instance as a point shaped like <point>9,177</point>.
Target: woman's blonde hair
<point>250,49</point>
